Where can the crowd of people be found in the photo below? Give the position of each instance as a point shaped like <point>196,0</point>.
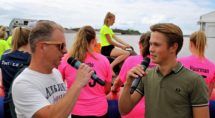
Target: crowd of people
<point>40,81</point>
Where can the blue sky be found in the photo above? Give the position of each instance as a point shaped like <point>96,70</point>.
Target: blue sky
<point>130,14</point>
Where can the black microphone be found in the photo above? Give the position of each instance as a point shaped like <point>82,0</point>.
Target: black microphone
<point>145,64</point>
<point>75,63</point>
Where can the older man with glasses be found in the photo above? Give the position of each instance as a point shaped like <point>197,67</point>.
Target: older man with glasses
<point>39,90</point>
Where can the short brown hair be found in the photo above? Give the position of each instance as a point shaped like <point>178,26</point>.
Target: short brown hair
<point>42,30</point>
<point>172,32</point>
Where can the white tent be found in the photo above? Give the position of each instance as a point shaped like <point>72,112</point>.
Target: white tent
<point>207,24</point>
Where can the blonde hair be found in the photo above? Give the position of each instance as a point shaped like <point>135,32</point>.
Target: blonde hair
<point>199,40</point>
<point>19,38</point>
<point>109,15</point>
<point>81,44</point>
<point>2,32</point>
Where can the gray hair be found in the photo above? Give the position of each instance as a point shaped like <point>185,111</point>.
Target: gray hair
<point>42,31</point>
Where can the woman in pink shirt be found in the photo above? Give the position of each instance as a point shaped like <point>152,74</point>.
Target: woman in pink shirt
<point>92,101</point>
<point>139,109</point>
<point>199,63</point>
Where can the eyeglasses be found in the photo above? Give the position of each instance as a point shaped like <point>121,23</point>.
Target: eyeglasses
<point>60,45</point>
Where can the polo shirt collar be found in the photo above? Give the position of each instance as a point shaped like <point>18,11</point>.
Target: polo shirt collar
<point>176,69</point>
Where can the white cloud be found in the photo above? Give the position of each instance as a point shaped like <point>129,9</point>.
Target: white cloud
<point>133,14</point>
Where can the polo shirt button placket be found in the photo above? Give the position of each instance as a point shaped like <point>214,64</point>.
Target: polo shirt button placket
<point>161,82</point>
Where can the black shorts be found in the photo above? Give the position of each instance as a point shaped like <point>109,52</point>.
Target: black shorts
<point>106,50</point>
<point>76,116</point>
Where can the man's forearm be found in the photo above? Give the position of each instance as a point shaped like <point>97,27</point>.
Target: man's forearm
<point>125,98</point>
<point>64,107</point>
<point>61,109</point>
<point>201,112</point>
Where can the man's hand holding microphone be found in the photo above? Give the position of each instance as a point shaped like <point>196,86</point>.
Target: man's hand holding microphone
<point>136,73</point>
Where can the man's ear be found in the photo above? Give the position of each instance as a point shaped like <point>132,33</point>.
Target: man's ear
<point>40,46</point>
<point>174,48</point>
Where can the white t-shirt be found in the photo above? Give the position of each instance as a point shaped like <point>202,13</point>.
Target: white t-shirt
<point>32,91</point>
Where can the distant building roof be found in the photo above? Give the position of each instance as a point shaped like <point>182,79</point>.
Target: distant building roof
<point>209,17</point>
<point>21,22</point>
<point>207,24</point>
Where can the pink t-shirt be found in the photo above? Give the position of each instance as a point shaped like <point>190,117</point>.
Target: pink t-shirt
<point>92,100</point>
<point>139,110</point>
<point>203,67</point>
